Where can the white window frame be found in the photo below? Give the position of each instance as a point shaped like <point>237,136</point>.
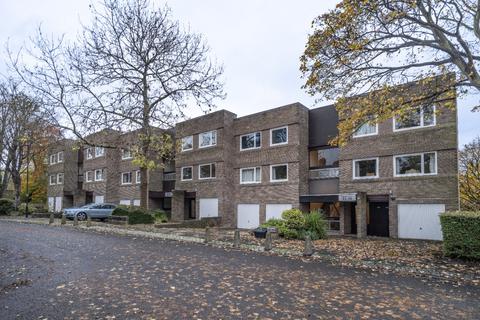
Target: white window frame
<point>181,173</point>
<point>129,154</point>
<point>60,175</point>
<point>53,158</point>
<point>95,175</point>
<point>138,177</point>
<point>252,148</point>
<point>58,157</point>
<point>186,137</point>
<point>90,153</point>
<point>50,180</point>
<point>123,183</point>
<point>356,135</point>
<point>97,154</point>
<point>422,119</point>
<point>254,175</point>
<point>271,137</point>
<point>210,145</point>
<point>422,154</point>
<point>207,164</point>
<point>86,176</point>
<point>271,172</point>
<point>377,169</point>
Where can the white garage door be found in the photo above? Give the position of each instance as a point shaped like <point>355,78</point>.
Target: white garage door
<point>58,204</point>
<point>420,221</point>
<point>125,202</point>
<point>51,204</point>
<point>248,216</point>
<point>208,208</point>
<point>275,210</point>
<point>99,199</point>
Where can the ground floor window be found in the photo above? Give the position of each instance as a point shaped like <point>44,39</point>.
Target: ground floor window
<point>331,211</point>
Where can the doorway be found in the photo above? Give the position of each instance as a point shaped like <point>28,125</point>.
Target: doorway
<point>189,207</point>
<point>378,222</point>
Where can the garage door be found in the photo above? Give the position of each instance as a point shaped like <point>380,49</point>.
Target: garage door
<point>275,210</point>
<point>99,199</point>
<point>248,216</point>
<point>58,204</point>
<point>420,221</point>
<point>208,208</point>
<point>51,204</point>
<point>125,202</point>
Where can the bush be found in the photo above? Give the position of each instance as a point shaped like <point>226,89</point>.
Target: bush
<point>6,206</point>
<point>297,225</point>
<point>461,234</point>
<point>135,215</point>
<point>294,219</point>
<point>32,208</point>
<point>315,225</point>
<point>160,216</point>
<point>120,211</point>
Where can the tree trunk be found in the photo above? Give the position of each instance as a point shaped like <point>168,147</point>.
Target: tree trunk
<point>144,188</point>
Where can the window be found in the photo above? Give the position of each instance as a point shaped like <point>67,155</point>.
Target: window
<point>251,141</point>
<point>53,159</point>
<point>365,168</point>
<point>53,180</point>
<point>59,178</point>
<point>206,171</point>
<point>207,139</point>
<point>417,118</point>
<point>279,173</point>
<point>366,129</point>
<point>250,175</point>
<point>187,173</point>
<point>127,178</point>
<point>89,176</point>
<point>324,158</point>
<point>99,175</point>
<point>126,154</point>
<point>89,153</point>
<point>99,151</point>
<point>187,143</point>
<point>279,136</point>
<point>138,177</point>
<point>416,164</point>
<point>60,157</point>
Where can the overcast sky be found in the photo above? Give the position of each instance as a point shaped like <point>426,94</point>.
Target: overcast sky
<point>259,42</point>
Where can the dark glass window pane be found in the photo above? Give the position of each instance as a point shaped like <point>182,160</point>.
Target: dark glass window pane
<point>412,119</point>
<point>428,116</point>
<point>324,158</point>
<point>430,164</point>
<point>409,165</point>
<point>366,168</point>
<point>279,136</point>
<point>279,173</point>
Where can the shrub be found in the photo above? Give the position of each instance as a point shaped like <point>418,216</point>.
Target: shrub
<point>135,215</point>
<point>294,219</point>
<point>120,211</point>
<point>275,223</point>
<point>461,234</point>
<point>315,225</point>
<point>160,216</point>
<point>6,206</point>
<point>32,208</point>
<point>296,225</point>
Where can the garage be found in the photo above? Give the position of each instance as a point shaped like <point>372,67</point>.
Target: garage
<point>248,216</point>
<point>420,221</point>
<point>208,207</point>
<point>275,210</point>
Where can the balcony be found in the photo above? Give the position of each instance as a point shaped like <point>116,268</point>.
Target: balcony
<point>169,176</point>
<point>326,173</point>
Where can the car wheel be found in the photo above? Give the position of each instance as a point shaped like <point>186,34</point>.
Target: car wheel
<point>81,216</point>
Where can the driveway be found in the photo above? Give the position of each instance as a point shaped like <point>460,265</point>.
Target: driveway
<point>63,273</point>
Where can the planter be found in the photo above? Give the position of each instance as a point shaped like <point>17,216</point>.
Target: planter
<point>260,233</point>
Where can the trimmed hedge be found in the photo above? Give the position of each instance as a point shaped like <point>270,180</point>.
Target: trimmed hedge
<point>6,206</point>
<point>461,234</point>
<point>135,215</point>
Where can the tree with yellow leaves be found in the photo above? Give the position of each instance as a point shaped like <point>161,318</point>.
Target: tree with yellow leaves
<point>469,178</point>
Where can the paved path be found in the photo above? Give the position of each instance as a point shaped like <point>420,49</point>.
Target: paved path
<point>58,273</point>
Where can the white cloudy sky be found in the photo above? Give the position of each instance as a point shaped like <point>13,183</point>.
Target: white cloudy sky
<point>259,43</point>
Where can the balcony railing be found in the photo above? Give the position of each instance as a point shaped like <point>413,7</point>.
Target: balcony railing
<point>169,176</point>
<point>326,173</point>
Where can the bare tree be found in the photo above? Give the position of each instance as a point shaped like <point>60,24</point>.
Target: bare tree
<point>469,160</point>
<point>365,46</point>
<point>133,67</point>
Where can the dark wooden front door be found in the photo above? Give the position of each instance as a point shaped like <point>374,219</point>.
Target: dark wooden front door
<point>378,222</point>
<point>353,219</point>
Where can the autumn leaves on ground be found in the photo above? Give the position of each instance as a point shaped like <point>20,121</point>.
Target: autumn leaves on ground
<point>64,273</point>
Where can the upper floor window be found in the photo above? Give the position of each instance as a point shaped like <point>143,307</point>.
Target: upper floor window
<point>126,154</point>
<point>207,139</point>
<point>89,153</point>
<point>60,157</point>
<point>365,168</point>
<point>53,180</point>
<point>279,173</point>
<point>206,171</point>
<point>324,158</point>
<point>99,151</point>
<point>127,178</point>
<point>279,136</point>
<point>366,129</point>
<point>59,178</point>
<point>99,175</point>
<point>138,177</point>
<point>416,118</point>
<point>250,175</point>
<point>89,176</point>
<point>53,158</point>
<point>187,143</point>
<point>187,173</point>
<point>416,164</point>
<point>251,141</point>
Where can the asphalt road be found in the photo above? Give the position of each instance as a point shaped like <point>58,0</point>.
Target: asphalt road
<point>62,273</point>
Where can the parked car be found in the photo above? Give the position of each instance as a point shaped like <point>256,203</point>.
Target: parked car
<point>92,210</point>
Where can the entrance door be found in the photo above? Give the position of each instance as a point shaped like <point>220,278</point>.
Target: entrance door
<point>353,219</point>
<point>88,197</point>
<point>189,209</point>
<point>378,222</point>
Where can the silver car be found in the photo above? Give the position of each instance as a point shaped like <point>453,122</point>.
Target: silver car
<point>92,210</point>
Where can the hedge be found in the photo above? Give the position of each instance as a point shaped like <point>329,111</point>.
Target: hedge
<point>461,234</point>
<point>135,215</point>
<point>6,206</point>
